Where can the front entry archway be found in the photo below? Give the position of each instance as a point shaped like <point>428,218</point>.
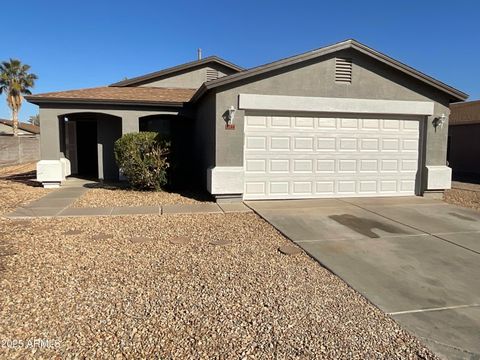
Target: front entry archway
<point>88,143</point>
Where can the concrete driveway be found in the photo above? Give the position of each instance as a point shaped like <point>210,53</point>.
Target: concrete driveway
<point>416,259</point>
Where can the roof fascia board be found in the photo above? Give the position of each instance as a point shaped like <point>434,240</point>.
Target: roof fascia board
<point>174,69</point>
<point>409,70</point>
<point>39,101</point>
<point>349,44</point>
<point>270,67</point>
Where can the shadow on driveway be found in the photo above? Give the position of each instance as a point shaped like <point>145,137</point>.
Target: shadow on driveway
<point>416,259</point>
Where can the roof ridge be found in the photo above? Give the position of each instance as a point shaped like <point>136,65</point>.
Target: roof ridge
<point>311,54</point>
<point>173,69</point>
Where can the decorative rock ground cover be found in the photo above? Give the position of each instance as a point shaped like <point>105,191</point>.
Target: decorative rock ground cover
<point>176,299</point>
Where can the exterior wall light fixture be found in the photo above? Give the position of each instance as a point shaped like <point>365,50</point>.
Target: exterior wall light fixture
<point>229,116</point>
<point>439,121</point>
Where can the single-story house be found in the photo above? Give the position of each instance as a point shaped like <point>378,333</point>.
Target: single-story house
<point>6,128</point>
<point>463,140</point>
<point>341,121</point>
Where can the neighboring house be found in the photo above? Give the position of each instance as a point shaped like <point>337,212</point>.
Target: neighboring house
<point>6,128</point>
<point>464,140</point>
<point>18,149</point>
<point>341,121</point>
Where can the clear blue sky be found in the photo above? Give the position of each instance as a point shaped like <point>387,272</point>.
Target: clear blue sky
<point>76,44</point>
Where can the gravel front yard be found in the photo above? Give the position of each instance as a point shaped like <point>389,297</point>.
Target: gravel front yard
<point>464,194</point>
<point>114,196</point>
<point>17,187</point>
<point>104,296</point>
<point>130,287</point>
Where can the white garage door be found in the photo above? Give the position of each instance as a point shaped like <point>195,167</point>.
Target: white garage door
<point>314,157</point>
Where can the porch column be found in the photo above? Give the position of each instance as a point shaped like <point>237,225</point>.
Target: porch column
<point>50,135</point>
<point>129,123</point>
<point>53,167</point>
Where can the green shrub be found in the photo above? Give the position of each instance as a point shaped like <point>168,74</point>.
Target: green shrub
<point>143,159</point>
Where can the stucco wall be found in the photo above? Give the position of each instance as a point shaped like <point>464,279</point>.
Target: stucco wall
<point>370,80</point>
<point>204,136</point>
<point>20,149</point>
<point>190,79</point>
<point>465,149</point>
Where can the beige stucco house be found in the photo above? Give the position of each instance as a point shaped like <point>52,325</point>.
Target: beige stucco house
<point>341,121</point>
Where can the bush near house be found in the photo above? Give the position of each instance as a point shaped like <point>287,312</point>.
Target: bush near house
<point>143,159</point>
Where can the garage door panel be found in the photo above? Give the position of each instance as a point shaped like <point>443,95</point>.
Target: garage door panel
<point>325,187</point>
<point>370,124</point>
<point>407,186</point>
<point>326,144</point>
<point>304,122</point>
<point>256,142</point>
<point>301,157</point>
<point>256,121</point>
<point>368,165</point>
<point>410,145</point>
<point>348,124</point>
<point>328,166</point>
<point>369,144</point>
<point>368,186</point>
<point>411,125</point>
<point>255,188</point>
<point>346,187</point>
<point>391,125</point>
<point>328,188</point>
<point>302,187</point>
<point>279,165</point>
<point>279,188</point>
<point>279,143</point>
<point>347,144</point>
<point>256,165</point>
<point>327,123</point>
<point>303,166</point>
<point>301,143</point>
<point>279,122</point>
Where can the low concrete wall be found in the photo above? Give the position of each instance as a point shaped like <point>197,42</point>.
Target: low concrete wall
<point>20,149</point>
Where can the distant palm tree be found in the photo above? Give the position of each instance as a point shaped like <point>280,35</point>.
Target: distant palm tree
<point>34,120</point>
<point>15,81</point>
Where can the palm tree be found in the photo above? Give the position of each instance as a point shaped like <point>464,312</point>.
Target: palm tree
<point>15,81</point>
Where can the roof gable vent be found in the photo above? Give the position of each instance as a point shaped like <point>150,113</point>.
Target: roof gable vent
<point>212,74</point>
<point>343,70</point>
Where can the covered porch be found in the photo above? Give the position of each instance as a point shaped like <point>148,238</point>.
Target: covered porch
<point>80,141</point>
<point>79,128</point>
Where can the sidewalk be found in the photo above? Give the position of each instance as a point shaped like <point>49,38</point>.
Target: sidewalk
<point>58,204</point>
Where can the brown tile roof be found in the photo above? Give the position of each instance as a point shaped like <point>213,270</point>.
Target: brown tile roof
<point>110,94</point>
<point>34,129</point>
